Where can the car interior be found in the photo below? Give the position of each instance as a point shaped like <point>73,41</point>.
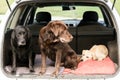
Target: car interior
<point>89,24</point>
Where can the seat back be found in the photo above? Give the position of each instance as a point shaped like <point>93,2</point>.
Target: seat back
<point>89,17</point>
<point>90,35</point>
<point>42,19</point>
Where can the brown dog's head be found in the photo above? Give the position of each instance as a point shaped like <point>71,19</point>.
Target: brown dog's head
<point>71,60</point>
<point>57,31</point>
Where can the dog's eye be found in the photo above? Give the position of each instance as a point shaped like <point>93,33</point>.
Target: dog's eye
<point>83,54</point>
<point>87,57</point>
<point>49,31</point>
<point>23,32</point>
<point>73,57</point>
<point>19,33</point>
<point>62,32</point>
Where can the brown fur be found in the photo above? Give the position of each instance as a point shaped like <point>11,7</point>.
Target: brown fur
<point>54,39</point>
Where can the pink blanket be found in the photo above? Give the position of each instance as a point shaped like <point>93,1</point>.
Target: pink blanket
<point>105,66</point>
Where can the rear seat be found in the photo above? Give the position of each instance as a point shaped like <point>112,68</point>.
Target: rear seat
<point>90,32</point>
<point>73,43</point>
<point>85,36</point>
<point>42,19</point>
<point>89,18</point>
<point>90,35</point>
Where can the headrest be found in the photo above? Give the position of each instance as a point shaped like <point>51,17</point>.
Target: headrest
<point>90,16</point>
<point>43,16</point>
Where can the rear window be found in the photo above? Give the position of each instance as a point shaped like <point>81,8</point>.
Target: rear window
<point>58,13</point>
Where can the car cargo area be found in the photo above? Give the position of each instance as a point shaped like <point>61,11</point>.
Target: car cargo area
<point>84,38</point>
<point>97,29</point>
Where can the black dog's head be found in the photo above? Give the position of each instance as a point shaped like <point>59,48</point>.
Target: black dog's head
<point>21,35</point>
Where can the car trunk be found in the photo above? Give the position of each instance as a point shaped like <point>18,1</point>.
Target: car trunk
<point>84,37</point>
<point>83,40</point>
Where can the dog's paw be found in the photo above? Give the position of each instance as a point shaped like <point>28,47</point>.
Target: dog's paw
<point>55,74</point>
<point>73,68</point>
<point>13,71</point>
<point>42,71</point>
<point>32,70</point>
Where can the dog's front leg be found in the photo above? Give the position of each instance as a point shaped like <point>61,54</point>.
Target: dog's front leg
<point>57,63</point>
<point>14,62</point>
<point>43,63</point>
<point>13,71</point>
<point>31,62</point>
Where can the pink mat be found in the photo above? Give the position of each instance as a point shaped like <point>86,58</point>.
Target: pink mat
<point>105,66</point>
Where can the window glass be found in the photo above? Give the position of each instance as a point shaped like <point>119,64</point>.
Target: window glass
<point>58,14</point>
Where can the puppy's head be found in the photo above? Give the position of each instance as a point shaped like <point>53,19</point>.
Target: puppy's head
<point>71,60</point>
<point>60,31</point>
<point>20,35</point>
<point>86,55</point>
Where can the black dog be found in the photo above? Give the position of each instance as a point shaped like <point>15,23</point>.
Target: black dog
<point>18,48</point>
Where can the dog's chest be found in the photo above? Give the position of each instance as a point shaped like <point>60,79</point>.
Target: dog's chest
<point>51,50</point>
<point>22,54</point>
<point>51,53</point>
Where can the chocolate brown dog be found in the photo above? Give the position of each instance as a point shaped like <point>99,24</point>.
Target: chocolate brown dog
<point>54,39</point>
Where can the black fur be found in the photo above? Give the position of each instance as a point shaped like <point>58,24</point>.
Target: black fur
<point>18,48</point>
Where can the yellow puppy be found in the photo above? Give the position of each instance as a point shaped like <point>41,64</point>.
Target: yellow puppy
<point>97,52</point>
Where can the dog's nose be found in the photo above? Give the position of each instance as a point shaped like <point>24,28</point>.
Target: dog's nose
<point>71,37</point>
<point>81,59</point>
<point>23,42</point>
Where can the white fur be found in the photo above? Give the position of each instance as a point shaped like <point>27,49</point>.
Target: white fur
<point>97,52</point>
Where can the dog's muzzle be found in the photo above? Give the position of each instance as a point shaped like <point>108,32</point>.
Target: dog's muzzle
<point>63,40</point>
<point>21,43</point>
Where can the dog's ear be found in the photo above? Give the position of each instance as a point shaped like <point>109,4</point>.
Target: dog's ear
<point>57,27</point>
<point>44,34</point>
<point>13,35</point>
<point>13,38</point>
<point>53,28</point>
<point>55,31</point>
<point>83,51</point>
<point>29,34</point>
<point>78,58</point>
